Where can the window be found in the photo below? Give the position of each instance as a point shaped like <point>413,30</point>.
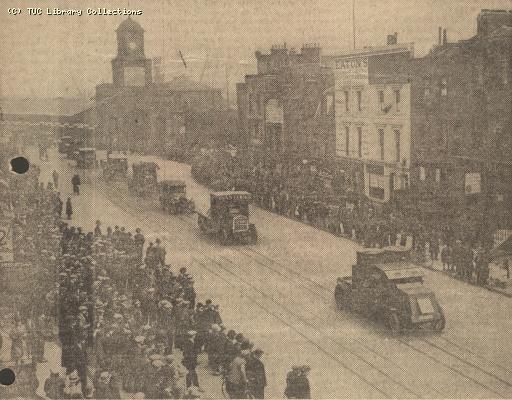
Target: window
<point>423,174</point>
<point>438,175</point>
<point>381,99</point>
<point>360,142</point>
<point>397,146</point>
<point>381,143</point>
<point>397,99</point>
<point>442,175</point>
<point>347,98</point>
<point>347,141</point>
<point>359,100</point>
<point>444,87</point>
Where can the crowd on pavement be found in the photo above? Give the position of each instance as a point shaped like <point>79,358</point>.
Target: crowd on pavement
<point>129,318</point>
<point>126,321</point>
<point>307,193</point>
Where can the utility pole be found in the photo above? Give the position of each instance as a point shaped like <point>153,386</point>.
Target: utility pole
<point>354,23</point>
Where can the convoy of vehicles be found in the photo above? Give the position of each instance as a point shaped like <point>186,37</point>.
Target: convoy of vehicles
<point>386,285</point>
<point>173,197</point>
<point>144,179</point>
<point>115,167</point>
<point>228,217</point>
<point>86,158</point>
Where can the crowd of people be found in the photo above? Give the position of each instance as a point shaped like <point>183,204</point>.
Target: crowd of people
<point>125,320</point>
<point>122,315</point>
<point>307,193</point>
<point>33,212</point>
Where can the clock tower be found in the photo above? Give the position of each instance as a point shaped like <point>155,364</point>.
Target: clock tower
<point>130,67</point>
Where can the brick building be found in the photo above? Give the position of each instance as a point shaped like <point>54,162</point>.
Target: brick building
<point>286,109</point>
<point>461,124</point>
<point>372,108</point>
<point>139,114</point>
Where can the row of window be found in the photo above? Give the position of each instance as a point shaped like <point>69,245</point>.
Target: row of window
<point>381,142</point>
<point>381,99</point>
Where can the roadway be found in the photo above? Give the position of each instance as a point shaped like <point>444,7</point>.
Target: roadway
<point>279,293</point>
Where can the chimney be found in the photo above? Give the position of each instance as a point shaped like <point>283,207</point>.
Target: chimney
<point>445,37</point>
<point>392,39</point>
<point>440,40</point>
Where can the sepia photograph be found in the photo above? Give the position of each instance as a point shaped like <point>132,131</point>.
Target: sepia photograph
<point>249,199</point>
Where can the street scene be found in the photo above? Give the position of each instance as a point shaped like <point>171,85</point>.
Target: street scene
<point>332,220</point>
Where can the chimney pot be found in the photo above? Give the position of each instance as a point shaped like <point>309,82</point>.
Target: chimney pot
<point>440,40</point>
<point>445,37</point>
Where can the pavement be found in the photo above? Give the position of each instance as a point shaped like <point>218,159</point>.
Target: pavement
<point>279,293</point>
<point>497,276</point>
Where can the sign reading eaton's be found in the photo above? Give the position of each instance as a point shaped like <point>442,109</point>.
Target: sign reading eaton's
<point>351,71</point>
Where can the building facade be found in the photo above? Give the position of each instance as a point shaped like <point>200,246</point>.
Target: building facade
<point>461,121</point>
<point>138,114</point>
<point>287,108</point>
<point>373,115</point>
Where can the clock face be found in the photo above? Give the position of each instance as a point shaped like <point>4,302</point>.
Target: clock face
<point>132,45</point>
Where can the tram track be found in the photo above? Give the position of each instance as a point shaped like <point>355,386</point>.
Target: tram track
<point>299,325</point>
<point>316,289</point>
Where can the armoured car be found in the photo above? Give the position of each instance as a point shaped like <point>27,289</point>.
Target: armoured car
<point>386,285</point>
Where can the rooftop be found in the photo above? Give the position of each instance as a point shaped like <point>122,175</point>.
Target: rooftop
<point>183,83</point>
<point>129,25</point>
<point>57,106</point>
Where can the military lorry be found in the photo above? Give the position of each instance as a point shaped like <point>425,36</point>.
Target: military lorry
<point>86,158</point>
<point>64,144</point>
<point>115,167</point>
<point>228,218</point>
<point>144,179</point>
<point>173,197</point>
<point>386,285</point>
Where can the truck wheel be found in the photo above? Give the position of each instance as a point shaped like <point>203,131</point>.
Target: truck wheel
<point>439,325</point>
<point>394,324</point>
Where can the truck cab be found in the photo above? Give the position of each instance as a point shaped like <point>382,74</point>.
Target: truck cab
<point>228,217</point>
<point>386,285</point>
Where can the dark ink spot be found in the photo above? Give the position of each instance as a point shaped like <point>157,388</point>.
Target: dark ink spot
<point>7,377</point>
<point>19,165</point>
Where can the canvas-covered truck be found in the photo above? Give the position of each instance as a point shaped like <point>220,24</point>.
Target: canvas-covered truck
<point>228,218</point>
<point>143,182</point>
<point>173,197</point>
<point>386,285</point>
<point>115,167</point>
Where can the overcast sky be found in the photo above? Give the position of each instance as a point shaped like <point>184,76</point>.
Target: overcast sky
<point>49,56</point>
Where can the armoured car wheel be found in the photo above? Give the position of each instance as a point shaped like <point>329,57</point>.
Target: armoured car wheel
<point>439,325</point>
<point>394,324</point>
